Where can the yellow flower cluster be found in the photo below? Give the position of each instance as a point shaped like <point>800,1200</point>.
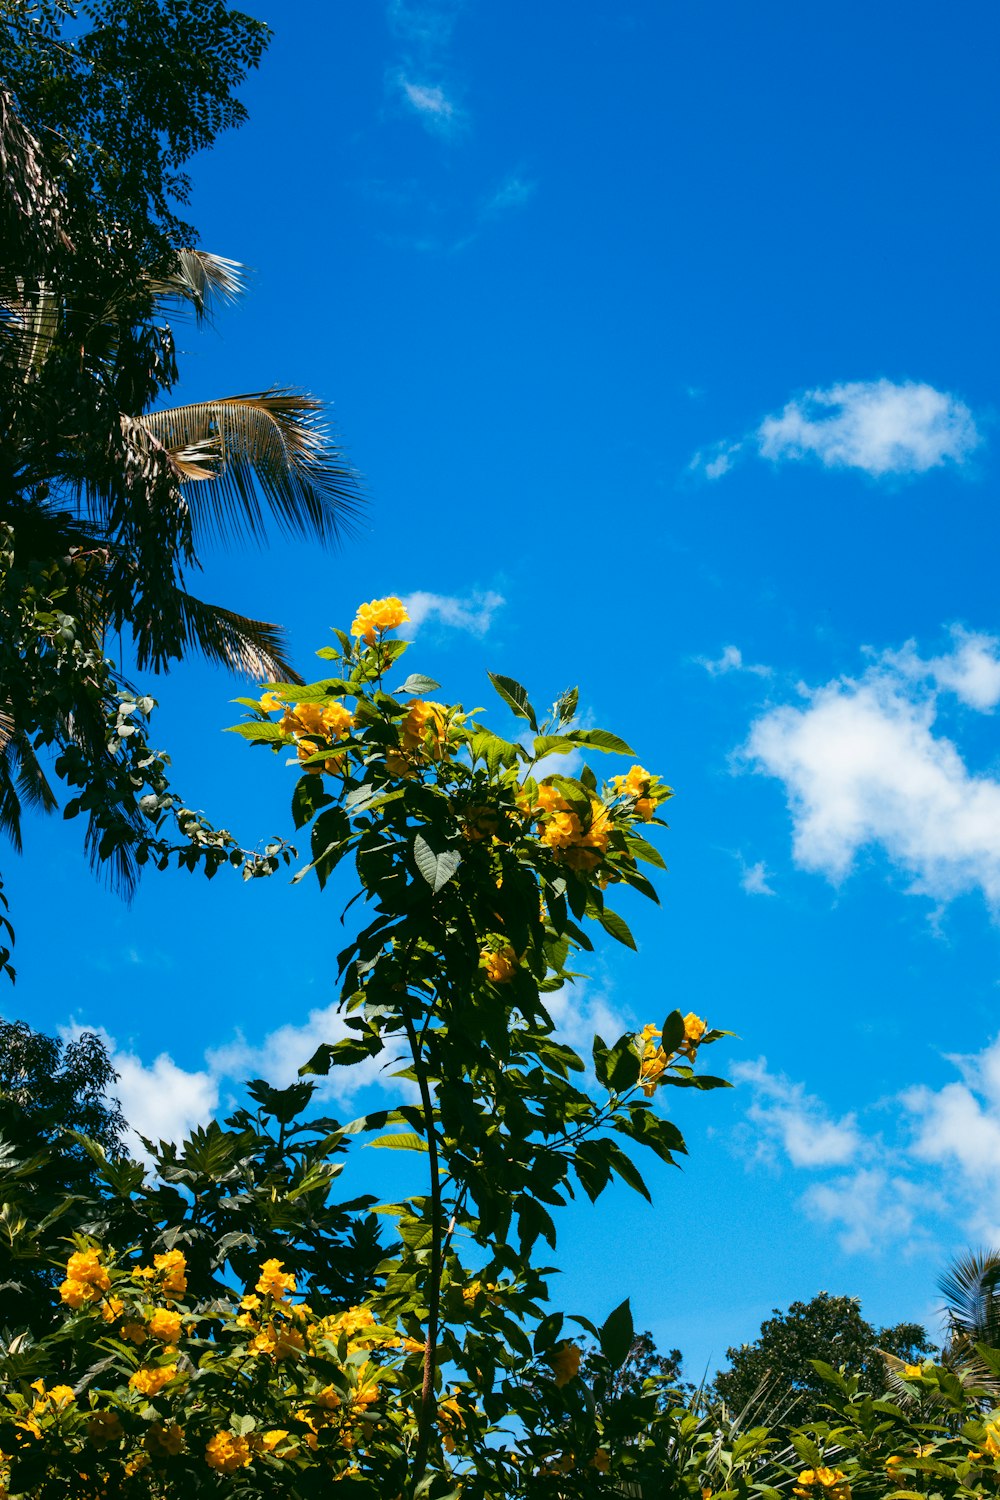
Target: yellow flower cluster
<point>171,1268</point>
<point>359,1327</point>
<point>636,784</point>
<point>579,843</point>
<point>164,1439</point>
<point>104,1428</point>
<point>565,1361</point>
<point>165,1325</point>
<point>86,1279</point>
<point>991,1440</point>
<point>822,1484</point>
<point>477,1289</point>
<point>425,728</point>
<point>273,1282</point>
<point>228,1453</point>
<point>654,1061</point>
<point>450,1420</point>
<point>308,723</point>
<point>150,1380</point>
<point>500,964</point>
<point>379,615</point>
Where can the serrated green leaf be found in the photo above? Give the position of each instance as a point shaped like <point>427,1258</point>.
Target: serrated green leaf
<point>406,1140</point>
<point>437,869</point>
<point>617,927</point>
<point>258,731</point>
<point>515,697</point>
<point>601,739</point>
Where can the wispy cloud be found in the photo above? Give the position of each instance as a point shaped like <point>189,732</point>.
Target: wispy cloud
<point>512,194</point>
<point>786,1117</point>
<point>755,879</point>
<point>882,428</point>
<point>432,104</point>
<point>473,613</point>
<point>423,28</point>
<point>864,765</point>
<point>731,660</point>
<point>927,1178</point>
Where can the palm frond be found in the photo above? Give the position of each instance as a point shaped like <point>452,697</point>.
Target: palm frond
<point>252,648</point>
<point>971,1289</point>
<point>272,451</point>
<point>198,279</point>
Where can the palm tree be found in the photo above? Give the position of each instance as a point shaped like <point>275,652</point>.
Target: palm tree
<point>110,493</point>
<point>971,1289</point>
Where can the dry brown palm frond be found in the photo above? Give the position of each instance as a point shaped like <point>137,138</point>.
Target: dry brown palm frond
<point>197,280</point>
<point>271,448</point>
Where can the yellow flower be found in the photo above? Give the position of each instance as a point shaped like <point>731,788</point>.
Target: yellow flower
<point>991,1441</point>
<point>425,727</point>
<point>378,616</point>
<point>273,1282</point>
<point>251,1302</point>
<point>832,1484</point>
<point>76,1293</point>
<point>274,1438</point>
<point>565,1363</point>
<point>501,965</point>
<point>104,1427</point>
<point>165,1326</point>
<point>85,1265</point>
<point>912,1372</point>
<point>134,1465</point>
<point>60,1396</point>
<point>164,1439</point>
<point>172,1266</point>
<point>328,1398</point>
<point>227,1452</point>
<point>149,1380</point>
<point>601,1461</point>
<point>112,1309</point>
<point>924,1450</point>
<point>694,1030</point>
<point>270,703</point>
<point>135,1332</point>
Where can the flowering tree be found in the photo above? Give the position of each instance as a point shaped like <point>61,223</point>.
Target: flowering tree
<point>481,877</point>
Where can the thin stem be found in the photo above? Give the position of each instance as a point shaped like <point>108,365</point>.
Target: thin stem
<point>427,1402</point>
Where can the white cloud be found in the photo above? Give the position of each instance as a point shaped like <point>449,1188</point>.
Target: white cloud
<point>870,1209</point>
<point>880,427</point>
<point>280,1054</point>
<point>971,671</point>
<point>863,766</point>
<point>873,425</point>
<point>731,660</point>
<point>474,613</point>
<point>579,1013</point>
<point>754,879</point>
<point>785,1116</point>
<point>431,101</point>
<point>513,193</point>
<point>160,1100</point>
<point>717,460</point>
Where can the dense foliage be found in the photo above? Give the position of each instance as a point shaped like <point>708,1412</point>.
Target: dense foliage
<point>780,1363</point>
<point>106,497</point>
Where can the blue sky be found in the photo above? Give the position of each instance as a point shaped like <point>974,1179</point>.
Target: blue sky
<point>670,326</point>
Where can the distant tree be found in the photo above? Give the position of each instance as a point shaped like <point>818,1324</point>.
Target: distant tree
<point>827,1328</point>
<point>642,1362</point>
<point>48,1088</point>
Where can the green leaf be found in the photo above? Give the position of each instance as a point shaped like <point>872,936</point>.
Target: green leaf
<point>617,926</point>
<point>600,739</point>
<point>617,1334</point>
<point>643,849</point>
<point>437,869</point>
<point>622,1065</point>
<point>308,797</point>
<point>257,731</point>
<point>416,683</point>
<point>400,1141</point>
<point>515,697</point>
<point>627,1169</point>
<point>673,1032</point>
